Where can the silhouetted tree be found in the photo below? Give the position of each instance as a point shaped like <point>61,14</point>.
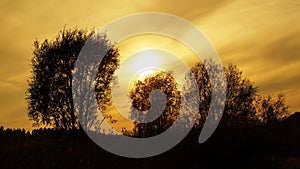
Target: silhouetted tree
<point>244,106</point>
<point>140,95</point>
<point>241,94</point>
<point>271,110</point>
<point>203,86</point>
<point>49,94</point>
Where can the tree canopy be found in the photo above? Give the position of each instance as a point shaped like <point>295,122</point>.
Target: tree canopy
<point>140,101</point>
<point>49,94</point>
<point>244,106</point>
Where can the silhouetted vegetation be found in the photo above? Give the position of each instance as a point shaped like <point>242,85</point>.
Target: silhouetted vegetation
<point>49,94</point>
<point>244,106</point>
<point>255,131</point>
<point>165,82</point>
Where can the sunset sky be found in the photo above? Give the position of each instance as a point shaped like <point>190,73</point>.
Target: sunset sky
<point>261,37</point>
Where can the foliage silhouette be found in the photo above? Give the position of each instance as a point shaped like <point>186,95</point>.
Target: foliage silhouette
<point>272,109</point>
<point>239,108</point>
<point>49,95</point>
<point>244,106</point>
<point>255,131</point>
<point>139,95</point>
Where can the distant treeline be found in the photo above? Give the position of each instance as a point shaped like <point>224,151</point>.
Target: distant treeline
<point>275,145</point>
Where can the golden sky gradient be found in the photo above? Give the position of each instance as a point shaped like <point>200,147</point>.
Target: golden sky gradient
<point>261,37</point>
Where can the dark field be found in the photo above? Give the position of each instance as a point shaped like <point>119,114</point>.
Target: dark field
<point>269,146</point>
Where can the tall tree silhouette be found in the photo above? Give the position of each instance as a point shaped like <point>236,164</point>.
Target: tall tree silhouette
<point>244,106</point>
<point>241,94</point>
<point>141,103</point>
<point>49,94</point>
